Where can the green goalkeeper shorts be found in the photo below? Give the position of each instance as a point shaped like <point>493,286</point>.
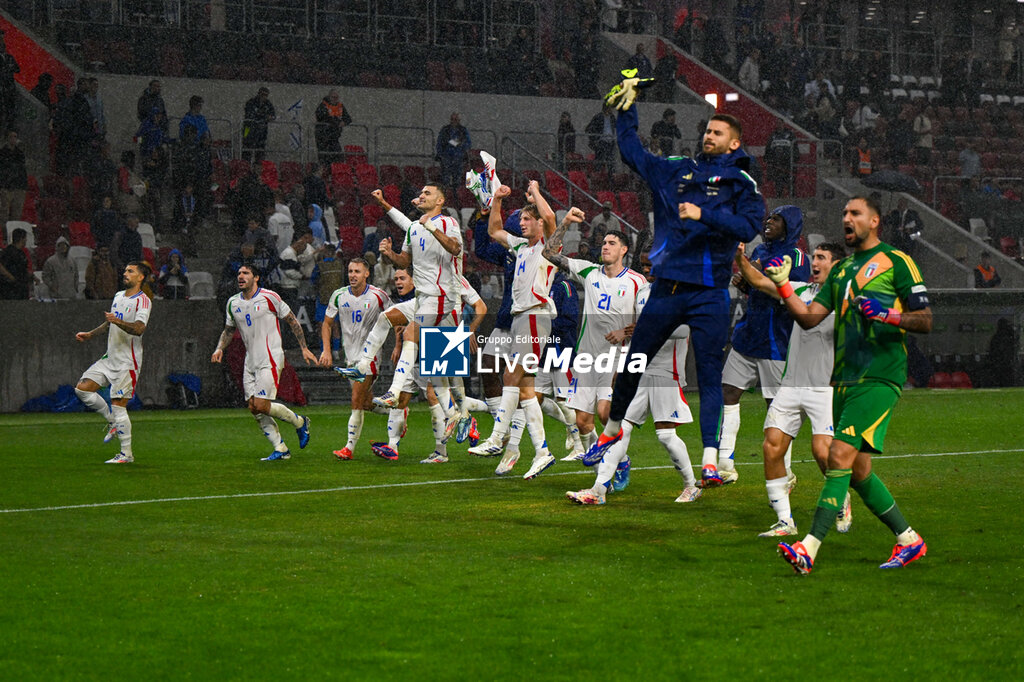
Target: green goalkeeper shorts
<point>861,414</point>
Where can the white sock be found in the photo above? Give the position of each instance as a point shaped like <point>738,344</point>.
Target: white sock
<point>788,459</point>
<point>588,439</point>
<point>516,428</point>
<point>710,457</point>
<point>502,420</point>
<point>374,342</point>
<point>396,423</point>
<point>279,411</point>
<point>568,414</point>
<point>535,422</point>
<point>124,427</point>
<point>404,366</point>
<point>550,408</point>
<point>475,405</point>
<point>94,401</point>
<point>811,544</point>
<point>727,444</point>
<point>355,428</point>
<point>444,397</point>
<point>458,391</point>
<point>606,468</point>
<point>380,409</point>
<point>612,427</point>
<point>677,452</point>
<point>437,420</point>
<point>778,498</point>
<point>908,537</point>
<point>270,430</point>
<point>493,404</point>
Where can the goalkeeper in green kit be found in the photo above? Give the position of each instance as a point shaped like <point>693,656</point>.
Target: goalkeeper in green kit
<point>878,295</point>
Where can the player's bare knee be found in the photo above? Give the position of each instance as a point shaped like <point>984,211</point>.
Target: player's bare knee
<point>731,394</point>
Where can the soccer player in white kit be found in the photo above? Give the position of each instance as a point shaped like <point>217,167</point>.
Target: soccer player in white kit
<point>256,313</point>
<point>660,395</point>
<point>357,308</point>
<point>805,391</point>
<point>119,367</point>
<point>532,313</point>
<point>610,290</point>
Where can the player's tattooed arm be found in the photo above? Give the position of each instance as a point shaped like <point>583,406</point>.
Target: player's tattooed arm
<point>222,343</point>
<point>300,336</point>
<point>85,336</point>
<point>918,321</point>
<point>133,328</point>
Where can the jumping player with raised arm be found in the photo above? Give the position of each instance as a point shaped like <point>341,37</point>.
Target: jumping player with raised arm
<point>532,313</point>
<point>878,295</point>
<point>119,367</point>
<point>256,313</point>
<point>357,307</point>
<point>804,390</point>
<point>703,208</point>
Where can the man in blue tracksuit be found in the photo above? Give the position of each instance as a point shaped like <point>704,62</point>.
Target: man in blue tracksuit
<point>759,341</point>
<point>703,208</point>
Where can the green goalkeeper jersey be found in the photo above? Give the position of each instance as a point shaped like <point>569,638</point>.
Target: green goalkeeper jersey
<point>868,350</point>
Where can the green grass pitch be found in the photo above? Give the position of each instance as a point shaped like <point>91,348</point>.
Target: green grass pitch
<point>395,570</point>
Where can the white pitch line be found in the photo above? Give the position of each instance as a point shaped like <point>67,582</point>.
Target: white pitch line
<point>316,491</point>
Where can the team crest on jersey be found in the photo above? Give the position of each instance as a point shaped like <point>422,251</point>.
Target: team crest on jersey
<point>870,270</point>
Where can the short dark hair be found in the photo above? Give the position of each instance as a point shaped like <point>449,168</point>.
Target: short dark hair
<point>440,189</point>
<point>407,269</point>
<point>194,100</point>
<point>669,112</point>
<point>620,235</point>
<point>18,235</point>
<point>141,266</point>
<point>871,203</point>
<point>837,250</point>
<point>732,121</point>
<point>360,261</point>
<point>251,266</point>
<point>532,209</point>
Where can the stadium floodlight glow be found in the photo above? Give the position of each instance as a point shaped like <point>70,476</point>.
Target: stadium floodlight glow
<point>712,99</point>
<point>732,97</point>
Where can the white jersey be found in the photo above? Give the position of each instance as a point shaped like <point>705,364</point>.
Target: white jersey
<point>435,272</point>
<point>258,321</point>
<point>124,350</point>
<point>357,315</point>
<point>811,353</point>
<point>468,293</point>
<point>670,360</point>
<point>533,276</point>
<point>610,303</point>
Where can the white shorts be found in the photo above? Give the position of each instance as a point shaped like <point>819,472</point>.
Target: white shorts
<point>555,384</point>
<point>436,311</point>
<point>743,372</point>
<point>531,331</point>
<point>661,399</point>
<point>407,308</point>
<point>585,390</point>
<point>790,404</point>
<point>121,381</point>
<point>499,343</point>
<point>414,381</point>
<point>262,383</point>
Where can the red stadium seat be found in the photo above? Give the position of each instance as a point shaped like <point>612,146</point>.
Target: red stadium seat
<point>415,176</point>
<point>602,197</point>
<point>940,380</point>
<point>341,175</point>
<point>1008,246</point>
<point>290,173</point>
<point>351,240</point>
<point>53,210</point>
<point>579,178</point>
<point>269,174</point>
<point>55,186</point>
<point>237,169</point>
<point>372,213</point>
<point>553,181</point>
<point>81,234</point>
<point>629,202</point>
<point>389,175</point>
<point>355,154</point>
<point>392,194</point>
<point>961,380</point>
<point>366,176</point>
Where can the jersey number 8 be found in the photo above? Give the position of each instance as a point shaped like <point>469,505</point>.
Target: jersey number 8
<point>248,320</point>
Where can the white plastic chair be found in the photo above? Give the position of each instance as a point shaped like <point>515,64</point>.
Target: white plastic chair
<point>200,286</point>
<point>30,238</point>
<point>148,236</point>
<point>81,255</point>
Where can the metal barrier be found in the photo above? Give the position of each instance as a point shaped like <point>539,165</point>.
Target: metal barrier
<point>403,142</point>
<point>352,134</point>
<point>943,178</point>
<point>542,145</point>
<point>346,24</point>
<point>477,138</point>
<point>221,130</point>
<point>284,140</point>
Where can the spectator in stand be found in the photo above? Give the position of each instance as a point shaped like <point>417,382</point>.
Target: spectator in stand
<point>452,152</point>
<point>106,223</point>
<point>923,135</point>
<point>900,139</point>
<point>255,231</point>
<point>194,119</point>
<point>60,273</point>
<point>331,119</point>
<point>330,274</point>
<point>852,76</point>
<point>130,185</point>
<point>819,85</point>
<point>280,224</point>
<point>41,91</point>
<point>750,72</point>
<point>665,69</point>
<point>985,275</point>
<point>1007,45</point>
<point>151,101</point>
<point>970,162</point>
<point>296,201</point>
<point>152,132</point>
<point>383,273</point>
<point>865,119</point>
<point>602,223</point>
<point>587,65</point>
<point>99,118</point>
<point>75,133</point>
<point>372,241</point>
<point>827,117</point>
<point>876,72</point>
<point>102,173</point>
<point>186,210</point>
<point>130,248</point>
<point>259,112</point>
<point>298,260</point>
<point>861,167</point>
<point>13,179</point>
<point>640,62</point>
<point>666,132</point>
<point>228,285</point>
<point>315,185</point>
<point>904,226</point>
<point>100,277</point>
<point>250,196</point>
<point>267,260</point>
<point>488,290</point>
<point>779,156</point>
<point>316,226</point>
<point>566,138</point>
<point>601,137</point>
<point>173,279</point>
<point>8,90</point>
<point>15,269</point>
<point>154,172</point>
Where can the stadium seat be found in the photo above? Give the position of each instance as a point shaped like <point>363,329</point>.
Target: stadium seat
<point>172,60</point>
<point>370,79</point>
<point>629,202</point>
<point>389,175</point>
<point>437,79</point>
<point>341,175</point>
<point>1008,246</point>
<point>602,197</point>
<point>290,174</point>
<point>81,255</point>
<point>55,186</point>
<point>81,234</point>
<point>940,380</point>
<point>372,213</point>
<point>366,177</point>
<point>553,181</point>
<point>269,174</point>
<point>201,286</point>
<point>351,240</point>
<point>149,256</point>
<point>148,236</point>
<point>355,154</point>
<point>415,176</point>
<point>392,194</point>
<point>48,233</point>
<point>579,178</point>
<point>960,380</point>
<point>28,211</point>
<point>459,77</point>
<point>30,239</point>
<point>237,169</point>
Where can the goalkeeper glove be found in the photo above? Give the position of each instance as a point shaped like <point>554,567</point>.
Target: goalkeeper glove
<point>624,94</point>
<point>777,270</point>
<point>873,310</point>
